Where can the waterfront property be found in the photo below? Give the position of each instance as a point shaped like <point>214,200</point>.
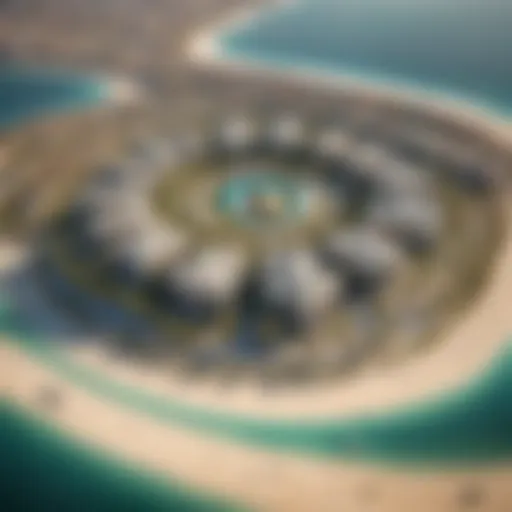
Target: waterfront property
<point>347,233</point>
<point>206,239</point>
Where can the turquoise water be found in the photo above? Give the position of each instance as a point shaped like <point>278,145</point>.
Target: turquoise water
<point>27,94</point>
<point>455,48</point>
<point>236,196</point>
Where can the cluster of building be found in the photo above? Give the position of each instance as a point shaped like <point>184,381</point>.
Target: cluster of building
<point>112,227</point>
<point>391,174</point>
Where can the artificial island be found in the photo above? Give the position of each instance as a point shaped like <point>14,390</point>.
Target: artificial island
<point>276,245</point>
<point>324,251</point>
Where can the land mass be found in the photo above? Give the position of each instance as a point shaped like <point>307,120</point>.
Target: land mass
<point>45,162</point>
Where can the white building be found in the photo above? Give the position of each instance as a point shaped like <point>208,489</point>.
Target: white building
<point>235,135</point>
<point>378,169</point>
<point>363,254</point>
<point>414,221</point>
<point>333,145</point>
<point>296,289</point>
<point>147,251</point>
<point>205,281</point>
<point>286,136</point>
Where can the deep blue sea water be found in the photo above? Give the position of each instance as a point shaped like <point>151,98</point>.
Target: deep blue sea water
<point>456,48</point>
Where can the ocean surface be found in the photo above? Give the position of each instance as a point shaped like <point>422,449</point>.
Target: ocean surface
<point>455,48</point>
<point>29,93</point>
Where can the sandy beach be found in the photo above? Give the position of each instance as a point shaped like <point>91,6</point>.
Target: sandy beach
<point>263,480</point>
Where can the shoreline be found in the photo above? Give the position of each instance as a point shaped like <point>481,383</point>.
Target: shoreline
<point>204,49</point>
<point>104,477</point>
<point>88,91</point>
<point>473,341</point>
<point>205,44</point>
<point>260,478</point>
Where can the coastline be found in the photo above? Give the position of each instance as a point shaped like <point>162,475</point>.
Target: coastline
<point>473,342</point>
<point>377,391</point>
<point>205,50</point>
<point>204,42</point>
<point>259,478</point>
<point>268,480</point>
<point>85,91</point>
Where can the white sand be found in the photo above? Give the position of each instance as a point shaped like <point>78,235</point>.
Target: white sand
<point>204,44</point>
